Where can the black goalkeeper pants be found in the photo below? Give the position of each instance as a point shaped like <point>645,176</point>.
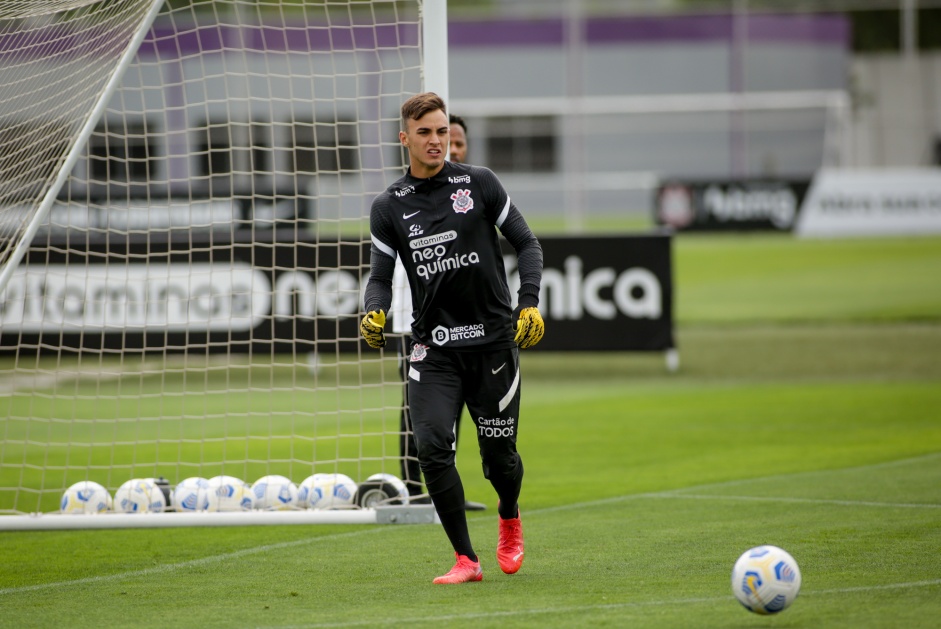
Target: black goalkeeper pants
<point>411,470</point>
<point>440,383</point>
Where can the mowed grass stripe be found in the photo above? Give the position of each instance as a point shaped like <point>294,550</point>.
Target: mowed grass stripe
<point>485,521</point>
<point>557,611</point>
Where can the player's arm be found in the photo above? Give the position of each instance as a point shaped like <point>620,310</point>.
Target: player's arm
<point>527,321</point>
<point>514,228</point>
<point>378,294</point>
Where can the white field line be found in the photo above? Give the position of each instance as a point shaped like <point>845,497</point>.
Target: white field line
<point>477,521</point>
<point>420,620</point>
<point>692,491</point>
<point>932,456</point>
<point>185,564</point>
<point>822,501</point>
<point>39,380</point>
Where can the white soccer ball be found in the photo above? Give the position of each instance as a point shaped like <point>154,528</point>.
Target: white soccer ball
<point>139,495</point>
<point>326,491</point>
<point>85,497</point>
<point>274,493</point>
<point>191,494</point>
<point>381,489</point>
<point>766,580</point>
<point>228,493</point>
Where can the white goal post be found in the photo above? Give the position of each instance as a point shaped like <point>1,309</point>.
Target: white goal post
<point>184,199</point>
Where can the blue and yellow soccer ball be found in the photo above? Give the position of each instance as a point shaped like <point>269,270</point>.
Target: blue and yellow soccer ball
<point>85,497</point>
<point>190,495</point>
<point>139,495</point>
<point>228,493</point>
<point>274,493</point>
<point>766,580</point>
<point>326,491</point>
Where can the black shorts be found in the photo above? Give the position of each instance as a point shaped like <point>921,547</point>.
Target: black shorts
<point>441,381</point>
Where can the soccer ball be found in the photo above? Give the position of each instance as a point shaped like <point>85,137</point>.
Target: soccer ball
<point>327,491</point>
<point>191,494</point>
<point>381,489</point>
<point>139,495</point>
<point>275,493</point>
<point>85,497</point>
<point>228,493</point>
<point>766,580</point>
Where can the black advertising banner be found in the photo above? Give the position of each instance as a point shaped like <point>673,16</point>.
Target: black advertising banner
<point>730,205</point>
<point>604,293</point>
<point>274,292</point>
<point>265,292</point>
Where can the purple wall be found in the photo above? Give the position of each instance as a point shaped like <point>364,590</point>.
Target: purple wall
<point>810,29</point>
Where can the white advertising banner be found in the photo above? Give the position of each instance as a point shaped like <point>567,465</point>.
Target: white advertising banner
<point>135,297</point>
<point>885,202</point>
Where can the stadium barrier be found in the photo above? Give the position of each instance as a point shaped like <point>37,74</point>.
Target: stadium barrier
<point>837,203</point>
<point>741,204</point>
<point>872,202</point>
<point>272,291</point>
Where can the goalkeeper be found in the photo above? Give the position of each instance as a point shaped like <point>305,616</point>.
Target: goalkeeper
<point>441,219</point>
<point>411,471</point>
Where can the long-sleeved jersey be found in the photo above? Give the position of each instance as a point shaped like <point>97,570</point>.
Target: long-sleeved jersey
<point>443,229</point>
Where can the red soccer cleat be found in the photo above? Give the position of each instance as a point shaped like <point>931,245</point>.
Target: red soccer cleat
<point>464,571</point>
<point>510,546</point>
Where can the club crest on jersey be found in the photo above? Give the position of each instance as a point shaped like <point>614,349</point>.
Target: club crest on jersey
<point>419,352</point>
<point>463,202</point>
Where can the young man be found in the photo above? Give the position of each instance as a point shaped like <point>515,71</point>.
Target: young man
<point>411,472</point>
<point>441,218</point>
<point>458,142</point>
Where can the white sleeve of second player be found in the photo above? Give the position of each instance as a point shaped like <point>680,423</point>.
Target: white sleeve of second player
<point>401,308</point>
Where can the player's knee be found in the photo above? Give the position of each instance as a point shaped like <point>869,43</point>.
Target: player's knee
<point>502,465</point>
<point>434,458</point>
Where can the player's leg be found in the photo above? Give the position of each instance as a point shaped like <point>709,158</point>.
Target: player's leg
<point>494,404</point>
<point>411,471</point>
<point>493,400</point>
<point>434,395</point>
<point>469,505</point>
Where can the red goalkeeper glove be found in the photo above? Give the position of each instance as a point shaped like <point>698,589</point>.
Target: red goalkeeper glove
<point>529,326</point>
<point>371,328</point>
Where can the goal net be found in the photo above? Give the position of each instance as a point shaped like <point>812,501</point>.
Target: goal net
<point>187,185</point>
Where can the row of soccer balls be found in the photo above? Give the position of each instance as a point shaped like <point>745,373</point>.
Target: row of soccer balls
<point>228,493</point>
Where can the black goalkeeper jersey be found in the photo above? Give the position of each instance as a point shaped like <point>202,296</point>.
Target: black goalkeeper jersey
<point>444,231</point>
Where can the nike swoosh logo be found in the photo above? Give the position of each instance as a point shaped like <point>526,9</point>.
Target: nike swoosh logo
<point>408,216</point>
<point>518,557</point>
<point>497,370</point>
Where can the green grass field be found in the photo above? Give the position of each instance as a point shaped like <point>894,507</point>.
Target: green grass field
<point>805,414</point>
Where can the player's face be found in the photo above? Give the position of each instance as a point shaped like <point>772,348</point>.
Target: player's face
<point>426,140</point>
<point>458,144</point>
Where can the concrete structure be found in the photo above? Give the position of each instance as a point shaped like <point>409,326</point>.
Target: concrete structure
<point>577,116</point>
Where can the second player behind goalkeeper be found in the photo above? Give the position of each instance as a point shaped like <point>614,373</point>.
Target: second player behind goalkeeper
<point>442,219</point>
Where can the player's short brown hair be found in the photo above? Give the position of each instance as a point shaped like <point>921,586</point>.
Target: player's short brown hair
<point>419,105</point>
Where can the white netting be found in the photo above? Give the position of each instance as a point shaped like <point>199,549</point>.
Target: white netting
<point>55,60</point>
<point>189,306</point>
